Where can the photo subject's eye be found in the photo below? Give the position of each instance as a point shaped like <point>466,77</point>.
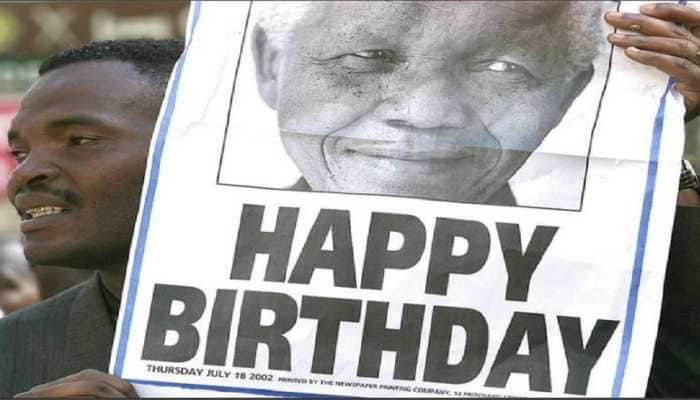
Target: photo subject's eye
<point>365,61</point>
<point>374,54</point>
<point>368,61</point>
<point>501,70</point>
<point>504,66</point>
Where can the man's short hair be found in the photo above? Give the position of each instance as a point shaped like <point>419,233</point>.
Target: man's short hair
<point>152,58</point>
<point>581,19</point>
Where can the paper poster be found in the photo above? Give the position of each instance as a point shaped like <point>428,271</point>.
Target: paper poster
<point>402,199</point>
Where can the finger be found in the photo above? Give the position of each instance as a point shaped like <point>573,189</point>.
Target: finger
<point>91,375</point>
<point>73,389</point>
<point>681,69</point>
<point>649,26</point>
<point>691,97</point>
<point>676,47</point>
<point>672,12</point>
<point>686,73</point>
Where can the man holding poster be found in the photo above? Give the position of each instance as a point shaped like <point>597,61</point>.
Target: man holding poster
<point>81,142</point>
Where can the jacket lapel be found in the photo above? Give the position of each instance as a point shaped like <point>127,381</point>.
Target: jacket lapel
<point>90,331</point>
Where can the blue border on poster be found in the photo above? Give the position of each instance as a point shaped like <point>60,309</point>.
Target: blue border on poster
<point>148,201</point>
<point>641,239</point>
<point>227,389</point>
<point>148,207</point>
<point>641,242</point>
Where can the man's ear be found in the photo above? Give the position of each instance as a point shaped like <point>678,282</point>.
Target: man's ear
<point>266,66</point>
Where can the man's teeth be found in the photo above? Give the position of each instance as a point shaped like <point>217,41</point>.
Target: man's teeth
<point>45,210</point>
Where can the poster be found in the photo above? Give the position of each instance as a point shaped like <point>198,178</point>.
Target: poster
<point>402,199</point>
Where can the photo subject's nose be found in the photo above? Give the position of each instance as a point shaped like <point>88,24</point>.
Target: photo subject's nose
<point>429,104</point>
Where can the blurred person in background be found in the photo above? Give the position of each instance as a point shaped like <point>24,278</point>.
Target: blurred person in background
<point>19,287</point>
<point>22,285</point>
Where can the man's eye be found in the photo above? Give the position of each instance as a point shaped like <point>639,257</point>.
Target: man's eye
<point>18,155</point>
<point>80,140</point>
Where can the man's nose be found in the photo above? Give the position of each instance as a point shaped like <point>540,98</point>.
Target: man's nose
<point>434,102</point>
<point>32,171</point>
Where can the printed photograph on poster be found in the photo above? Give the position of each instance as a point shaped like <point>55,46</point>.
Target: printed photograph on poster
<point>416,99</point>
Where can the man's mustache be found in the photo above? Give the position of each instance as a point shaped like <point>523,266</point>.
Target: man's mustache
<point>66,195</point>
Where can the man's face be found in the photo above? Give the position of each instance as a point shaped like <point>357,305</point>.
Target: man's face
<point>442,100</point>
<point>81,138</point>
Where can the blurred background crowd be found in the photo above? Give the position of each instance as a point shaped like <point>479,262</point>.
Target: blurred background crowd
<point>29,32</point>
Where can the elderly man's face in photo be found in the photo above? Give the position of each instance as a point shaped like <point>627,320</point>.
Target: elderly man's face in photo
<point>443,100</point>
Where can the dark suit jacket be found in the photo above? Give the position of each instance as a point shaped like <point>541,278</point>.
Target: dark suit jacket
<point>675,371</point>
<point>55,338</point>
